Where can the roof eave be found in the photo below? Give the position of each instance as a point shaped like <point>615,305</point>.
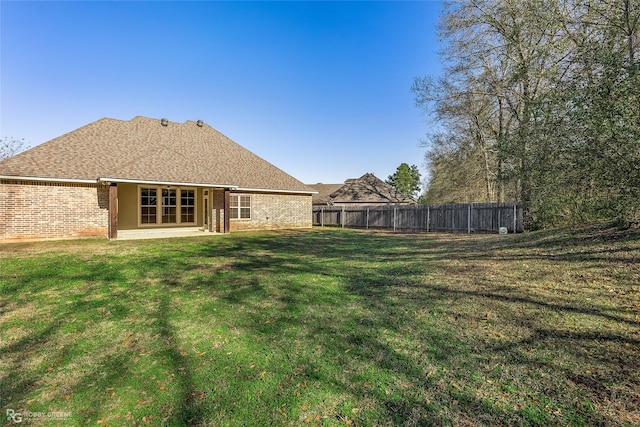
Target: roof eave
<point>269,190</point>
<point>150,182</point>
<point>47,179</point>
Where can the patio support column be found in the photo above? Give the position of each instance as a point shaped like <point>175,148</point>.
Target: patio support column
<point>113,211</point>
<point>211,213</point>
<point>227,214</point>
<point>210,216</point>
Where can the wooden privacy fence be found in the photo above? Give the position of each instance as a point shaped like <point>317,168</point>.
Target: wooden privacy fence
<point>466,218</point>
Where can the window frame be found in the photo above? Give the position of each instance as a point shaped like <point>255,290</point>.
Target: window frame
<point>181,213</point>
<point>238,209</point>
<point>169,211</point>
<point>160,207</point>
<point>148,206</point>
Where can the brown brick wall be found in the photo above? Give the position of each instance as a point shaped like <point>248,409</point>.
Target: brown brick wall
<point>218,211</point>
<point>44,210</point>
<point>272,211</point>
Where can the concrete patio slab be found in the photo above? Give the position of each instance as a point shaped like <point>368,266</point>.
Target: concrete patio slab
<point>163,233</point>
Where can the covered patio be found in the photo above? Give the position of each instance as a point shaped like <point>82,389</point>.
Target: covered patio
<point>147,209</point>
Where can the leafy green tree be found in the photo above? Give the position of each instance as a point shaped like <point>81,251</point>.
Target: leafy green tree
<point>406,180</point>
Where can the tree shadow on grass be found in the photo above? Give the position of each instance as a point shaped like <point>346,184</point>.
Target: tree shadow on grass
<point>367,284</point>
<point>561,308</point>
<point>187,409</point>
<point>567,247</point>
<point>348,332</point>
<point>47,320</point>
<point>378,286</point>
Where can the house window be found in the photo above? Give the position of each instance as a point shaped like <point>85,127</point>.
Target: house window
<point>187,206</point>
<point>169,206</point>
<point>240,207</point>
<point>148,205</point>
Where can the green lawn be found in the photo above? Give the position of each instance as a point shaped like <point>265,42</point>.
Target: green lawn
<point>324,327</point>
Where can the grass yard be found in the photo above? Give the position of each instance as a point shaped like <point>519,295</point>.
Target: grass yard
<point>323,327</point>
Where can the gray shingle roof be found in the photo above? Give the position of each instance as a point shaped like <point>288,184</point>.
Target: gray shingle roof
<point>366,189</point>
<point>324,192</point>
<point>143,149</point>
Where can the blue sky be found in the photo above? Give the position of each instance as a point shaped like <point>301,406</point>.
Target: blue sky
<point>320,89</point>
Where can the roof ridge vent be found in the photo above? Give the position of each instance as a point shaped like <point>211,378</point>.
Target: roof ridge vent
<point>200,123</point>
<point>164,122</point>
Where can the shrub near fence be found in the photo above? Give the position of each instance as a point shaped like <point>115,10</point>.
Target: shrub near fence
<point>466,218</point>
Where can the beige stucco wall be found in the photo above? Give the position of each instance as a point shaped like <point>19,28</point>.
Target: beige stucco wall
<point>127,206</point>
<point>50,210</point>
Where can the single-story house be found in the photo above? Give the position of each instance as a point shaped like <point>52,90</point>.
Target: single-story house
<point>368,190</point>
<point>145,174</point>
<point>323,197</point>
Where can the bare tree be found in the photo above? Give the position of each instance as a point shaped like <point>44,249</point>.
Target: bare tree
<point>540,99</point>
<point>11,146</point>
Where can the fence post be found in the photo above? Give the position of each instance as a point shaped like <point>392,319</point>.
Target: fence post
<point>515,218</point>
<point>394,218</point>
<point>342,217</point>
<point>453,218</point>
<point>499,223</point>
<point>469,219</point>
<point>428,218</point>
<point>367,218</point>
<point>321,217</point>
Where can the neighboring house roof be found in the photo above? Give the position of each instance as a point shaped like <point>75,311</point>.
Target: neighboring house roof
<point>324,192</point>
<point>366,189</point>
<point>143,149</point>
